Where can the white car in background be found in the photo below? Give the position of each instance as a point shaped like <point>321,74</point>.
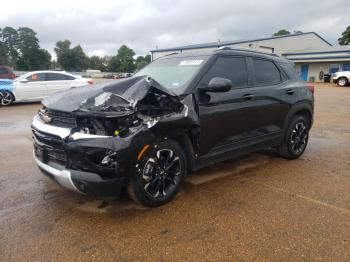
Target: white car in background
<point>341,78</point>
<point>35,86</point>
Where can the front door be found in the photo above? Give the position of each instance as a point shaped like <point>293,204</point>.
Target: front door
<point>304,71</point>
<point>34,88</point>
<point>226,118</point>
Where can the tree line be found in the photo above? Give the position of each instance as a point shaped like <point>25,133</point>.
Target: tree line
<point>20,49</point>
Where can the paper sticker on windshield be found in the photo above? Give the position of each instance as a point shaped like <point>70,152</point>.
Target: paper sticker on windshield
<point>190,62</point>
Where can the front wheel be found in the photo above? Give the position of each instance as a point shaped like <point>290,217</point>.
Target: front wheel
<point>342,82</point>
<point>295,139</point>
<point>159,174</point>
<point>6,98</point>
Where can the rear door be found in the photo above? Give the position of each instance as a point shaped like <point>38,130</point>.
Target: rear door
<point>33,88</point>
<point>58,82</point>
<point>273,95</point>
<point>226,118</point>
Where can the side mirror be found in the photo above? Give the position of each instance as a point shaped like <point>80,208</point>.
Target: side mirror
<point>217,84</point>
<point>23,81</point>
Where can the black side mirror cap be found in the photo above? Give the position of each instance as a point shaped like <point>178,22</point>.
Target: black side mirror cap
<point>217,84</point>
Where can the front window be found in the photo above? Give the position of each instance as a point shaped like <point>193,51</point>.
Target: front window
<point>36,77</point>
<point>174,73</point>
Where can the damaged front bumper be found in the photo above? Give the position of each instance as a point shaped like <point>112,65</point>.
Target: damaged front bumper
<point>79,181</point>
<point>90,164</point>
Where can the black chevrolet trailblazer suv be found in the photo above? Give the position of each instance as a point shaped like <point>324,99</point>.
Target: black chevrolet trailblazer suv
<point>180,113</point>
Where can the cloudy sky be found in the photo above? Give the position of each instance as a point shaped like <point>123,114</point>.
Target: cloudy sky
<point>101,26</point>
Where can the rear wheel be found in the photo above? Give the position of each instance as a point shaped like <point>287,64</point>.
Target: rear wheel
<point>6,98</point>
<point>342,81</point>
<point>159,174</point>
<point>295,139</point>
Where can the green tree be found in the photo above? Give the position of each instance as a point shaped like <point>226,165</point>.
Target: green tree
<point>282,32</point>
<point>148,58</point>
<point>78,58</point>
<point>96,62</point>
<point>142,61</point>
<point>31,57</point>
<point>11,39</point>
<point>4,59</point>
<point>125,57</point>
<point>345,37</point>
<point>141,65</point>
<point>113,64</point>
<point>70,59</point>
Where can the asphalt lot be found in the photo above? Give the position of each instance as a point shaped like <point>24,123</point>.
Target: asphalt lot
<point>259,207</point>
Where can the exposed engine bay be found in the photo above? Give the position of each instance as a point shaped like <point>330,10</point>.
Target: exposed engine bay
<point>116,111</point>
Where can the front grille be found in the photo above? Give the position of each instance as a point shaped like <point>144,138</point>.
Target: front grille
<point>49,147</point>
<point>62,119</point>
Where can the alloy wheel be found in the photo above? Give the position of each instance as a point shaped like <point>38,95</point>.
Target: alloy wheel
<point>342,82</point>
<point>160,175</point>
<point>5,98</point>
<point>298,138</point>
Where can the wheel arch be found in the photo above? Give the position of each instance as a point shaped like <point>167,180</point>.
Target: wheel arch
<point>304,109</point>
<point>187,140</point>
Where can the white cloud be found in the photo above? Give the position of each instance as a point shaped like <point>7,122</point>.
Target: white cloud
<point>102,26</point>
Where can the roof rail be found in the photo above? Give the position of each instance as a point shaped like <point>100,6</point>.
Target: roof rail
<point>173,53</point>
<point>245,50</point>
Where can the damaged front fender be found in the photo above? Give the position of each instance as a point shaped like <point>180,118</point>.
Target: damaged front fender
<point>116,120</point>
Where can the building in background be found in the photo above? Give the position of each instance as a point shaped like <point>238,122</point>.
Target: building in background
<point>313,63</point>
<point>313,55</point>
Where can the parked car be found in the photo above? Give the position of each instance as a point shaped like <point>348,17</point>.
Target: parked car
<point>6,73</point>
<point>178,114</point>
<point>341,78</point>
<point>37,85</point>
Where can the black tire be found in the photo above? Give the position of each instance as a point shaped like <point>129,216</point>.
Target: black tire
<point>159,175</point>
<point>342,81</point>
<point>295,139</point>
<point>6,98</point>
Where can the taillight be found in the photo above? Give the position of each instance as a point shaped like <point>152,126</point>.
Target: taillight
<point>13,76</point>
<point>90,82</point>
<point>311,88</point>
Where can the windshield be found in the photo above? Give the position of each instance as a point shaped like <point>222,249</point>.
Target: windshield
<point>174,73</point>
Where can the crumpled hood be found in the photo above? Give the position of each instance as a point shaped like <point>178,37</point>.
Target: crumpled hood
<point>116,96</point>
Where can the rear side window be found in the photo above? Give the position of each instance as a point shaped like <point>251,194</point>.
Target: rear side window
<point>266,73</point>
<point>3,71</point>
<point>36,77</point>
<point>59,77</point>
<point>233,68</point>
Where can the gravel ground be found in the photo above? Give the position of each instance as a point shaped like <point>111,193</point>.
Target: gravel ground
<point>259,207</point>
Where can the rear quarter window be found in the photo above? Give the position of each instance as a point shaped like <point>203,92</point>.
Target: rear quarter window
<point>59,77</point>
<point>266,72</point>
<point>289,69</point>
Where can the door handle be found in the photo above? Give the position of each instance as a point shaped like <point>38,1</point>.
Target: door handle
<point>248,97</point>
<point>290,91</point>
